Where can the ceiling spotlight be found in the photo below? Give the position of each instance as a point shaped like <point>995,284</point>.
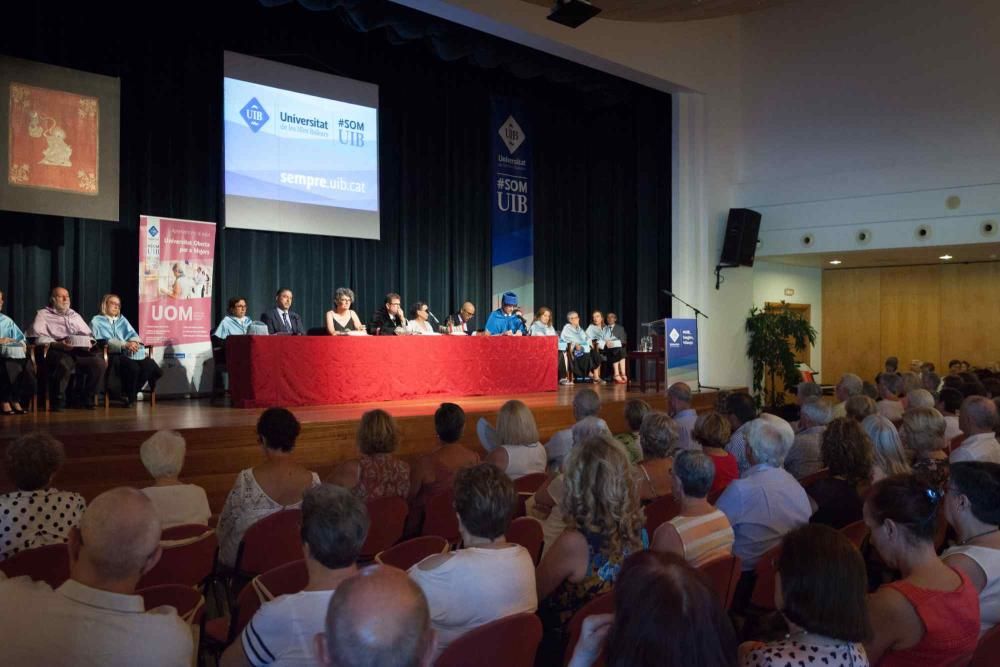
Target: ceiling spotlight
<point>945,257</point>
<point>835,261</point>
<point>573,13</point>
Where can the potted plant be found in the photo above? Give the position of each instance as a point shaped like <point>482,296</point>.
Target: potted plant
<point>774,335</point>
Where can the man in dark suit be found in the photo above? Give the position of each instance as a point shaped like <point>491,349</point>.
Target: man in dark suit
<point>281,319</point>
<point>464,319</point>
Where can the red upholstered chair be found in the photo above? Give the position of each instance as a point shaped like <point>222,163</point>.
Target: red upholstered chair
<point>988,650</point>
<point>185,531</point>
<point>856,532</point>
<point>763,589</point>
<point>527,532</point>
<point>956,442</point>
<point>49,563</point>
<point>723,573</point>
<point>189,563</point>
<point>188,602</point>
<point>530,483</point>
<point>388,518</point>
<point>602,604</point>
<point>808,480</point>
<point>659,511</point>
<point>440,518</point>
<point>506,642</point>
<point>713,497</point>
<point>407,554</point>
<point>274,540</point>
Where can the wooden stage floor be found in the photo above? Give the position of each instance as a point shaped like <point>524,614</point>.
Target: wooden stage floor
<point>102,446</point>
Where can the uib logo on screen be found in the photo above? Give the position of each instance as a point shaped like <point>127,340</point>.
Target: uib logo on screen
<point>254,115</point>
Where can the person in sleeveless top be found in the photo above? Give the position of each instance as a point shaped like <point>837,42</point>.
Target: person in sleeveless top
<point>972,507</point>
<point>700,533</point>
<point>847,454</point>
<point>658,438</point>
<point>520,452</point>
<point>274,485</point>
<point>377,473</point>
<point>930,617</point>
<point>604,525</point>
<point>820,590</point>
<point>342,319</point>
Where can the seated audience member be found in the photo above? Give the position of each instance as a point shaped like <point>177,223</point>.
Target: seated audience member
<point>129,368</point>
<point>579,354</point>
<point>70,341</point>
<point>922,432</point>
<point>274,485</point>
<point>17,374</point>
<point>860,407</point>
<point>849,385</point>
<point>700,533</point>
<point>31,462</point>
<point>489,577</point>
<point>890,387</point>
<point>616,354</point>
<point>977,419</point>
<point>948,404</point>
<point>740,410</point>
<point>680,410</point>
<point>586,403</point>
<point>334,528</point>
<point>888,457</point>
<point>378,617</point>
<point>464,320</point>
<point>280,318</point>
<point>930,380</point>
<point>342,319</point>
<point>870,390</point>
<point>766,502</point>
<point>635,410</point>
<point>659,439</point>
<point>419,320</point>
<point>376,473</point>
<point>712,432</point>
<point>972,507</point>
<point>805,458</point>
<point>847,454</point>
<point>434,472</point>
<point>520,452</point>
<point>95,619</point>
<point>506,320</point>
<point>388,320</point>
<point>666,615</point>
<point>931,616</point>
<point>176,503</point>
<point>236,322</point>
<point>911,382</point>
<point>604,525</point>
<point>822,597</point>
<point>918,398</point>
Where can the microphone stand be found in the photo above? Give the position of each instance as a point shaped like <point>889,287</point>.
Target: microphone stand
<point>697,313</point>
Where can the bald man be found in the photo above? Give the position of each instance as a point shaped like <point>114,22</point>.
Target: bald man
<point>977,418</point>
<point>679,403</point>
<point>379,617</point>
<point>464,320</point>
<point>95,618</point>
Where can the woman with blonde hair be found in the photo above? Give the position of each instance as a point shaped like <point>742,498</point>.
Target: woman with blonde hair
<point>604,522</point>
<point>129,367</point>
<point>377,473</point>
<point>658,439</point>
<point>887,451</point>
<point>520,451</point>
<point>922,432</point>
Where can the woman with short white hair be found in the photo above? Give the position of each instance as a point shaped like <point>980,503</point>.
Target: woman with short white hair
<point>176,503</point>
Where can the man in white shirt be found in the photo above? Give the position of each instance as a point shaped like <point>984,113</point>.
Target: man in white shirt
<point>282,632</point>
<point>679,402</point>
<point>889,387</point>
<point>805,457</point>
<point>379,617</point>
<point>95,618</point>
<point>849,385</point>
<point>977,419</point>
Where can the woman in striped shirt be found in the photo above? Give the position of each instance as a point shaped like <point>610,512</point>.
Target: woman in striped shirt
<point>700,533</point>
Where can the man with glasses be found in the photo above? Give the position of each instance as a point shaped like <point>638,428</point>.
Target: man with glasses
<point>388,320</point>
<point>463,320</point>
<point>280,319</point>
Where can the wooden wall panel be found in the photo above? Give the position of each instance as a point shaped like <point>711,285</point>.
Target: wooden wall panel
<point>850,298</point>
<point>970,313</point>
<point>911,313</point>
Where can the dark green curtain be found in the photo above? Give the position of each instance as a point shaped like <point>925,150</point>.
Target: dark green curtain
<point>602,209</point>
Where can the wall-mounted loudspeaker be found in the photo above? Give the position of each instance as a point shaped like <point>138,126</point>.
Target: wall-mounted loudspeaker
<point>740,244</point>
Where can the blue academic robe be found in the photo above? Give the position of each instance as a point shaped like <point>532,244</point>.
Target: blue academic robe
<point>574,336</point>
<point>10,330</point>
<point>500,323</point>
<point>232,326</point>
<point>539,329</point>
<point>117,333</point>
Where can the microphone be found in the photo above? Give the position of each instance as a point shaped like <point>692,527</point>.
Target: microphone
<point>667,292</point>
<point>519,315</point>
<point>433,315</point>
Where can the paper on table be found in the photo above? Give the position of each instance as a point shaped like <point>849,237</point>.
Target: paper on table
<point>612,343</point>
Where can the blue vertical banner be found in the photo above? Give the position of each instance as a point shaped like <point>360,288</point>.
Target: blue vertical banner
<point>682,352</point>
<point>513,234</point>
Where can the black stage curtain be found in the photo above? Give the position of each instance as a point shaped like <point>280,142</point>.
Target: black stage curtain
<point>602,163</point>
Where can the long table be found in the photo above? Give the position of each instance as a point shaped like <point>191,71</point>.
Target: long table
<point>267,371</point>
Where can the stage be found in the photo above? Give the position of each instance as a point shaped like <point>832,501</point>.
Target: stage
<point>102,446</point>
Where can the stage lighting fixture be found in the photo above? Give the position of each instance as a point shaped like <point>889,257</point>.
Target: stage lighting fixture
<point>573,13</point>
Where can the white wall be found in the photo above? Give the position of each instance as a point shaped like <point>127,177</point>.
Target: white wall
<point>769,283</point>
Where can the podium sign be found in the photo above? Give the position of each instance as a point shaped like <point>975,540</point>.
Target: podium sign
<point>682,352</point>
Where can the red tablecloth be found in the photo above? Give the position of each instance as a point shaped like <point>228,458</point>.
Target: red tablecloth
<point>267,371</point>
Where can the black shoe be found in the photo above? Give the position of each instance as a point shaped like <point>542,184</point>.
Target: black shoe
<point>57,406</point>
<point>125,402</point>
<point>7,412</point>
